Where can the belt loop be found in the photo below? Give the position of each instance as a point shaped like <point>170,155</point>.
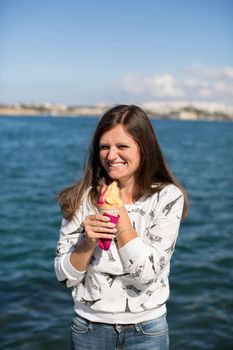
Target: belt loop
<point>118,327</point>
<point>90,325</point>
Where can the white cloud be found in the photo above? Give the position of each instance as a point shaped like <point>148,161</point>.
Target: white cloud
<point>155,85</point>
<point>214,84</point>
<point>163,85</point>
<point>212,73</point>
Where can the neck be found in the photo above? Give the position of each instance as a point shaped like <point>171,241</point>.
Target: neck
<point>128,191</point>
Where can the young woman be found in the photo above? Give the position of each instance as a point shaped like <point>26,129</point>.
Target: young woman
<point>120,294</point>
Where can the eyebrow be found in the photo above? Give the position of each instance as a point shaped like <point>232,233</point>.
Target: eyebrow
<point>117,144</point>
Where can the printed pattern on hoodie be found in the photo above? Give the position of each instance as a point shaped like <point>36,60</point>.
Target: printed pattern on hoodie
<point>135,277</point>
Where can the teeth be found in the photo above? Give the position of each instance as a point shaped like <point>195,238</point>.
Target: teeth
<point>117,164</point>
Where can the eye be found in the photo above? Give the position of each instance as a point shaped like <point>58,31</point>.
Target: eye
<point>122,146</point>
<point>103,147</point>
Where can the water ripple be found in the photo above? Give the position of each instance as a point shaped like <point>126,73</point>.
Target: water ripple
<point>37,162</point>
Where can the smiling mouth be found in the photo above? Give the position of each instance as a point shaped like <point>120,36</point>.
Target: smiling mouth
<point>116,165</point>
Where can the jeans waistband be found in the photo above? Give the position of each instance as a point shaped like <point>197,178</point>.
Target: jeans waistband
<point>118,326</point>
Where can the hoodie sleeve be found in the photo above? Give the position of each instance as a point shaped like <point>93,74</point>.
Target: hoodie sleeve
<point>146,256</point>
<point>71,234</point>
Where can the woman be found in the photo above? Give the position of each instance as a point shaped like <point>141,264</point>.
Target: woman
<point>120,294</point>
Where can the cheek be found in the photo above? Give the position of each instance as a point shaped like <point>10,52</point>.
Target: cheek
<point>102,158</point>
<point>101,155</point>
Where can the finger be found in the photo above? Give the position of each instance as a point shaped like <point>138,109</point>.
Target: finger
<point>100,220</point>
<point>98,235</point>
<point>101,225</point>
<point>102,229</point>
<point>95,220</point>
<point>104,235</point>
<point>99,217</point>
<point>107,236</point>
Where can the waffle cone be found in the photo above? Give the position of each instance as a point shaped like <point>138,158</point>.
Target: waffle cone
<point>114,212</point>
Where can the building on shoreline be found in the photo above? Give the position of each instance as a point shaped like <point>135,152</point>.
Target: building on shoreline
<point>181,110</point>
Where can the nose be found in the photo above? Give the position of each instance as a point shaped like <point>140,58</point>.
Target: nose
<point>111,153</point>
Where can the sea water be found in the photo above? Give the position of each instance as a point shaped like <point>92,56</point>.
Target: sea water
<point>39,156</point>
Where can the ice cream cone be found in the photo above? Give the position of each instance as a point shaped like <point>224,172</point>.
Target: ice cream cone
<point>109,205</point>
<point>114,212</point>
<point>105,243</point>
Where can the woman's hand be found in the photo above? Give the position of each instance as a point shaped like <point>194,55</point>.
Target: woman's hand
<point>99,226</point>
<point>96,226</point>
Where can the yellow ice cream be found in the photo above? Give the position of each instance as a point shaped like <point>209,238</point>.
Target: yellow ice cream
<point>110,198</point>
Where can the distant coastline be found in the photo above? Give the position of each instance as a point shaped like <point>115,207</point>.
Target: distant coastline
<point>181,110</point>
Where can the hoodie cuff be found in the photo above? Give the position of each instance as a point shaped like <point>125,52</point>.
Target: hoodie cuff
<point>69,269</point>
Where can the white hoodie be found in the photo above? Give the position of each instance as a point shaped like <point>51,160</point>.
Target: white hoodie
<point>130,284</point>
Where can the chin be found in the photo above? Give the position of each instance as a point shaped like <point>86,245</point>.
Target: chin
<point>114,177</point>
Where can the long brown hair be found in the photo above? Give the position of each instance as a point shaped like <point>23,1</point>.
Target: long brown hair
<point>153,169</point>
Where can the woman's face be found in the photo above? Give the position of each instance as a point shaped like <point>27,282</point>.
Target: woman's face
<point>119,154</point>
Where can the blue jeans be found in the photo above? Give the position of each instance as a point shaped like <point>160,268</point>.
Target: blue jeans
<point>151,335</point>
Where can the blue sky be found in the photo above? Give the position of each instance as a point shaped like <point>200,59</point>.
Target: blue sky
<point>87,52</point>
